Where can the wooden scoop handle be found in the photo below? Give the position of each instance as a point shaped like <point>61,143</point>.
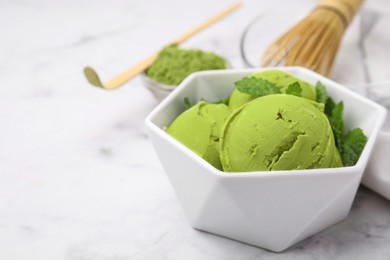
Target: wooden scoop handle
<point>125,76</point>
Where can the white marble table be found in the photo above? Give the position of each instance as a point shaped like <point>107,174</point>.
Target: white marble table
<point>78,176</point>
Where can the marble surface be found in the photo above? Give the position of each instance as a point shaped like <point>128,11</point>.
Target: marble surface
<point>79,178</point>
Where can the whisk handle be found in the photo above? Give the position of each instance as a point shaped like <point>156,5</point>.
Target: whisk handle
<point>346,8</point>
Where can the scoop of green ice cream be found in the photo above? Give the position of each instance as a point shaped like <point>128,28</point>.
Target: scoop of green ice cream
<point>238,98</point>
<point>278,132</point>
<point>199,129</point>
<point>280,79</point>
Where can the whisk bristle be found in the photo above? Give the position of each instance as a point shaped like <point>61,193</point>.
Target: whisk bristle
<point>312,43</point>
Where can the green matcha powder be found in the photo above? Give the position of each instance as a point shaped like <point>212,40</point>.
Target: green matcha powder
<point>174,64</point>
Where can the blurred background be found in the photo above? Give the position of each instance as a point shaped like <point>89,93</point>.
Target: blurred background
<point>61,38</point>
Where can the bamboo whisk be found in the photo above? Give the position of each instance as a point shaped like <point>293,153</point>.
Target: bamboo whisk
<point>314,41</point>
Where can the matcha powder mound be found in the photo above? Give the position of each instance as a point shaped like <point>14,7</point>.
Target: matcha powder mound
<point>173,64</point>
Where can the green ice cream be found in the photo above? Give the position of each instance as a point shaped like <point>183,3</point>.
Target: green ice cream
<point>238,99</point>
<point>199,129</point>
<point>280,79</point>
<point>278,132</point>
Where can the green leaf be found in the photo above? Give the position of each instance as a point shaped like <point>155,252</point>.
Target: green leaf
<point>294,89</point>
<point>322,94</point>
<point>329,106</point>
<point>187,103</point>
<point>223,101</point>
<point>323,97</point>
<point>353,145</point>
<point>337,123</point>
<point>350,145</point>
<point>256,87</point>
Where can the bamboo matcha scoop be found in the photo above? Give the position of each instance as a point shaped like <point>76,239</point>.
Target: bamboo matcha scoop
<point>127,75</point>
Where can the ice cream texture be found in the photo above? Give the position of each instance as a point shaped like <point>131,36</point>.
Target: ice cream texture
<point>280,79</point>
<point>267,133</point>
<point>278,132</point>
<point>199,129</point>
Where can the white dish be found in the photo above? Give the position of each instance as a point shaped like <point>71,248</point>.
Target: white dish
<point>272,210</point>
<point>377,174</point>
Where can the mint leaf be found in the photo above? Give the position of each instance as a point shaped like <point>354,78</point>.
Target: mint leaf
<point>337,123</point>
<point>323,97</point>
<point>334,112</point>
<point>256,87</point>
<point>294,89</point>
<point>187,103</point>
<point>329,106</point>
<point>353,145</point>
<point>322,94</point>
<point>350,145</point>
<point>223,101</point>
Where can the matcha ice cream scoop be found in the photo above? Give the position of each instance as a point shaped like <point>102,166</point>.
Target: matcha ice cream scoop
<point>199,129</point>
<point>278,132</point>
<point>280,79</point>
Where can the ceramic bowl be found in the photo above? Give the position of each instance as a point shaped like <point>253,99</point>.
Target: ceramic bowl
<point>272,210</point>
<point>159,90</point>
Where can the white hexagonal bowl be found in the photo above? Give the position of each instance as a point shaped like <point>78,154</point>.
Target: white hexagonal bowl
<point>272,210</point>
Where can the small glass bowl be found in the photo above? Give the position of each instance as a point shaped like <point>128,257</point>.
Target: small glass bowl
<point>159,90</point>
